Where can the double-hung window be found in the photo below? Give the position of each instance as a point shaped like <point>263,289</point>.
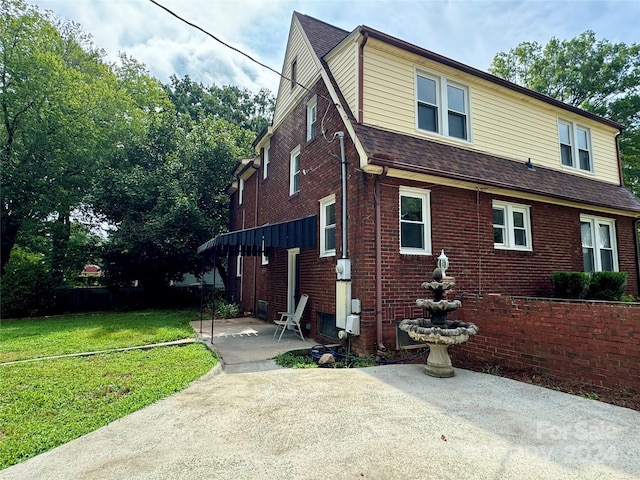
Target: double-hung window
<point>294,171</point>
<point>328,226</point>
<point>511,226</point>
<point>265,164</point>
<point>442,106</point>
<point>312,118</point>
<point>575,145</point>
<point>599,251</point>
<point>240,190</point>
<point>415,221</point>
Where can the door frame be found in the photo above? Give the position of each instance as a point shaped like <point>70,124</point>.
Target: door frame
<point>293,282</point>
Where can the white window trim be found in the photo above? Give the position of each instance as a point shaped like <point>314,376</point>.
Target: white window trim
<point>295,152</point>
<point>265,167</point>
<point>442,105</point>
<point>595,222</point>
<point>575,155</point>
<point>510,242</point>
<point>425,197</point>
<point>312,107</point>
<point>324,203</point>
<point>239,266</point>
<point>240,190</point>
<point>265,257</point>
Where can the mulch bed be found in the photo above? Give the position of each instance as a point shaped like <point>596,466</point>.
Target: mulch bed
<point>621,396</point>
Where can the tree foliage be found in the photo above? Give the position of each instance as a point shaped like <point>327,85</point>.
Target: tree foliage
<point>165,189</point>
<point>83,139</point>
<point>59,105</point>
<point>194,101</point>
<point>596,75</point>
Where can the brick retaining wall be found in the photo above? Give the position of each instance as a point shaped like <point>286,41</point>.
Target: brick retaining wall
<point>593,342</point>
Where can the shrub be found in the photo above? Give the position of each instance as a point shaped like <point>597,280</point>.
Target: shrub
<point>607,285</point>
<point>570,284</point>
<point>26,288</point>
<point>227,310</point>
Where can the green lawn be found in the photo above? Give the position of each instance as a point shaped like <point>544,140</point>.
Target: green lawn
<point>41,337</point>
<point>46,403</point>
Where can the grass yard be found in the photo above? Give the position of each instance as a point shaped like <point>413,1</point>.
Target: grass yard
<point>42,337</point>
<point>46,403</point>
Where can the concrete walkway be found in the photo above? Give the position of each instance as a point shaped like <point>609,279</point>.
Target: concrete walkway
<point>390,422</point>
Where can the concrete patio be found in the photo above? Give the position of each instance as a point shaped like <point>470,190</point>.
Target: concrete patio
<point>254,420</point>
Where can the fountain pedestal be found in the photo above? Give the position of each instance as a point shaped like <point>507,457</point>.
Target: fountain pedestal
<point>436,331</point>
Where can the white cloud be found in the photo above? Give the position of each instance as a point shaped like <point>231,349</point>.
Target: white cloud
<point>471,32</point>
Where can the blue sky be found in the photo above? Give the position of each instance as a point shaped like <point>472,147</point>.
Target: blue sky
<point>468,31</point>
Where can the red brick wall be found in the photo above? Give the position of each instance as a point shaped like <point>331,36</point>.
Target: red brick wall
<point>322,162</point>
<point>462,224</point>
<point>592,342</point>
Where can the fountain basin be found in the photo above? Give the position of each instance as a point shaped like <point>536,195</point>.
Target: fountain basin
<point>438,337</point>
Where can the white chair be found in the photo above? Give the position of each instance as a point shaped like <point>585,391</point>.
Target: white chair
<point>291,319</point>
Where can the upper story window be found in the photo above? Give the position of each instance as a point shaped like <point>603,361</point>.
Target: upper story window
<point>265,163</point>
<point>599,252</point>
<point>328,226</point>
<point>240,190</point>
<point>511,226</point>
<point>575,145</point>
<point>312,118</point>
<point>415,221</point>
<point>442,106</point>
<point>294,171</point>
<point>294,73</point>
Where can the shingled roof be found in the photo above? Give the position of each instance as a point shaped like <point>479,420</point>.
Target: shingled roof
<point>421,155</point>
<point>322,36</point>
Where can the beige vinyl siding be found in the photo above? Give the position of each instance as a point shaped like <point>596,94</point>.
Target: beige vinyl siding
<point>503,122</point>
<point>307,73</point>
<point>344,67</point>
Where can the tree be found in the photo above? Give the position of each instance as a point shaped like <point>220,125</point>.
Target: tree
<point>235,105</point>
<point>60,111</point>
<point>598,76</point>
<point>164,188</point>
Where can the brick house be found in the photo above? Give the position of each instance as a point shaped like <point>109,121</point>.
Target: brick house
<point>420,154</point>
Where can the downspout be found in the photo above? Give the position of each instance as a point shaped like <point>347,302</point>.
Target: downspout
<point>255,258</point>
<point>378,205</point>
<point>365,37</point>
<point>636,225</point>
<point>343,162</point>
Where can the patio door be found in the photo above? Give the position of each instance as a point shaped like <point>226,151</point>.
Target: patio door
<point>293,282</point>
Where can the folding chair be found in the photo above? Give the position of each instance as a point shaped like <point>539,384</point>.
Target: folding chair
<point>293,319</point>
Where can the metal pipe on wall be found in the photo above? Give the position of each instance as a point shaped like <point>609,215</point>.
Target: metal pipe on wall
<point>378,233</point>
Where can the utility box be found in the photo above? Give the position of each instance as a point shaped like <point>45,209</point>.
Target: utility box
<point>343,269</point>
<point>343,303</point>
<point>356,306</point>
<point>353,324</point>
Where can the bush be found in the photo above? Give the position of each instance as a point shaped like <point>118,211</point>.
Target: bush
<point>607,285</point>
<point>570,284</point>
<point>227,310</point>
<point>595,286</point>
<point>26,288</point>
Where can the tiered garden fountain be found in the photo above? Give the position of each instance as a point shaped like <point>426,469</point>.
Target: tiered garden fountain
<point>437,331</point>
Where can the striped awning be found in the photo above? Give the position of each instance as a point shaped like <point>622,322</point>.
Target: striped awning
<point>301,233</point>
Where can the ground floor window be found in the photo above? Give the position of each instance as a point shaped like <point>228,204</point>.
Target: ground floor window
<point>415,221</point>
<point>511,226</point>
<point>599,252</point>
